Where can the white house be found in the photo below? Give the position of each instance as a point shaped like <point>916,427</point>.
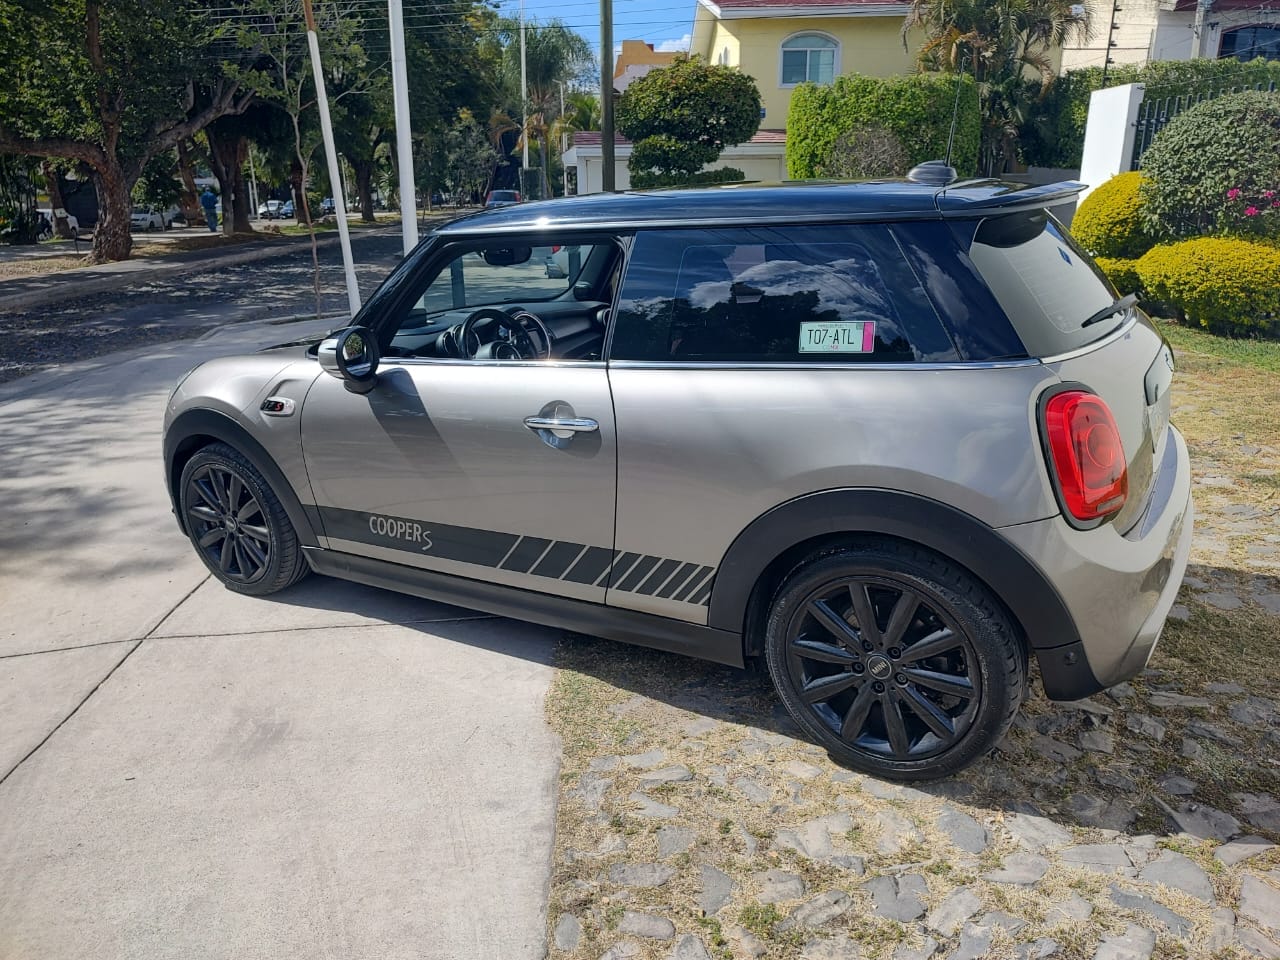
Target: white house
<point>763,157</point>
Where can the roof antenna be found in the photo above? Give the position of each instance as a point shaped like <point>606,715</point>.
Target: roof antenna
<point>955,111</point>
<point>940,173</point>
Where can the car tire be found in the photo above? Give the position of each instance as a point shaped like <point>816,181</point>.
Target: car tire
<point>955,698</point>
<point>237,524</point>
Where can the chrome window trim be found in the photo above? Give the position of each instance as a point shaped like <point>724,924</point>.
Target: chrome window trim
<point>763,365</point>
<point>458,361</point>
<point>1116,334</point>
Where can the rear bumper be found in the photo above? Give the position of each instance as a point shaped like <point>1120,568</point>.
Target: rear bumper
<point>1118,589</point>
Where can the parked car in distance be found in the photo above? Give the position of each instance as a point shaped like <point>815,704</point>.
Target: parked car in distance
<point>148,219</point>
<point>327,207</point>
<point>892,439</point>
<point>501,198</point>
<point>286,209</point>
<point>270,209</point>
<point>72,223</point>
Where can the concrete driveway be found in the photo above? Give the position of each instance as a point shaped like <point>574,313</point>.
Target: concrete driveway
<point>185,772</point>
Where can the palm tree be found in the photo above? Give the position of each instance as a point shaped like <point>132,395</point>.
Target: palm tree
<point>1006,45</point>
<point>553,53</point>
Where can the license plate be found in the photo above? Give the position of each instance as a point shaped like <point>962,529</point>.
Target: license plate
<point>838,336</point>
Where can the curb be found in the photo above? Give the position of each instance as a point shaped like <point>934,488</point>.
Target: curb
<point>67,290</point>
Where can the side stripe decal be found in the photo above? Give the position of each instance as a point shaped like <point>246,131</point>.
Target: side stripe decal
<point>553,559</point>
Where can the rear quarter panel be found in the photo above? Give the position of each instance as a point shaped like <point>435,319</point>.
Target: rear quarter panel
<point>704,452</point>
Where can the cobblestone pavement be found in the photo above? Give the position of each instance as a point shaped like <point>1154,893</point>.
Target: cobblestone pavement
<point>180,308</point>
<point>695,823</point>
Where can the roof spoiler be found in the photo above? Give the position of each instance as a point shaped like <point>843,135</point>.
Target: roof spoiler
<point>1003,197</point>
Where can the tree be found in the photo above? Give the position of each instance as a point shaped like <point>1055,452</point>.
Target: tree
<point>680,118</point>
<point>1006,45</point>
<point>108,85</point>
<point>554,54</point>
<point>469,156</point>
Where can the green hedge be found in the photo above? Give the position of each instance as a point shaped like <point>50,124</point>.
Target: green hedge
<point>915,108</point>
<point>1222,284</point>
<point>1054,133</point>
<point>1108,223</point>
<point>1215,170</point>
<point>1122,273</point>
<point>648,180</point>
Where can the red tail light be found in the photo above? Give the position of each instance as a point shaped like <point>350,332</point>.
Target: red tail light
<point>517,196</point>
<point>1088,456</point>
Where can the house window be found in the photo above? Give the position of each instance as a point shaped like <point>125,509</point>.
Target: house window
<point>808,56</point>
<point>1246,43</point>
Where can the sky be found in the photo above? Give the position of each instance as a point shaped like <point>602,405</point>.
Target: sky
<point>664,23</point>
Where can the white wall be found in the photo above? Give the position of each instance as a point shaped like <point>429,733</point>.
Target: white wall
<point>1109,134</point>
<point>757,162</point>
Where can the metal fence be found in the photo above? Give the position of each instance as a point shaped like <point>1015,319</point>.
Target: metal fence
<point>1154,115</point>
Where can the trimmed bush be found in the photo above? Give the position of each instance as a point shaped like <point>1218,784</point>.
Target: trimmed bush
<point>1123,274</point>
<point>916,109</point>
<point>1054,135</point>
<point>646,180</point>
<point>864,153</point>
<point>1194,164</point>
<point>1108,223</point>
<point>1222,284</point>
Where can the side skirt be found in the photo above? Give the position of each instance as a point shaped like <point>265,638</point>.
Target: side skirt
<point>612,623</point>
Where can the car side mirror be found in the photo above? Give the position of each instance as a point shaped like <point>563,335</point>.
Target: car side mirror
<point>351,355</point>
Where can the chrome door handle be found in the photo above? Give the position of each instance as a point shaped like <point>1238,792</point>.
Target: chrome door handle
<point>557,424</point>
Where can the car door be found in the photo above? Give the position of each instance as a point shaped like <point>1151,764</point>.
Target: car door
<point>450,465</point>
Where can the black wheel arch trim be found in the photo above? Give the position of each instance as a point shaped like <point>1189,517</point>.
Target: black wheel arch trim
<point>1010,574</point>
<point>204,422</point>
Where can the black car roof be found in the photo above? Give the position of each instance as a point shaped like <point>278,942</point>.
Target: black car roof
<point>801,201</point>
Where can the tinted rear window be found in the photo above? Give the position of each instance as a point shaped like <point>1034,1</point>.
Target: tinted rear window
<point>1045,284</point>
<point>502,195</point>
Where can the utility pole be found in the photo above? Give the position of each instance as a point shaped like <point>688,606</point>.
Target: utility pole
<point>1200,27</point>
<point>404,131</point>
<point>563,144</point>
<point>253,188</point>
<point>331,156</point>
<point>524,109</point>
<point>606,95</point>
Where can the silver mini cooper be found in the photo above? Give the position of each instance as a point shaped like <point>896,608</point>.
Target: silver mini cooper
<point>894,438</point>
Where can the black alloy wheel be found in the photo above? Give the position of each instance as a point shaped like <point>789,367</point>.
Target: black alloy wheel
<point>237,524</point>
<point>884,669</point>
<point>898,662</point>
<point>227,524</point>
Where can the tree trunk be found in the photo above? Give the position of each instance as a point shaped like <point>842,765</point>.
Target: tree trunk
<point>364,188</point>
<point>222,160</point>
<point>190,199</point>
<point>546,160</point>
<point>61,225</point>
<point>111,239</point>
<point>240,198</point>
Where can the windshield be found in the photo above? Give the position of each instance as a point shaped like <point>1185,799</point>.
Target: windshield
<point>502,195</point>
<point>1046,284</point>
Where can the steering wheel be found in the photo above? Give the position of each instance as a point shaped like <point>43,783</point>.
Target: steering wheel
<point>521,345</point>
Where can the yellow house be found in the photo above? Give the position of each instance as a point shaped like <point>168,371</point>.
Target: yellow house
<point>782,44</point>
<point>635,59</point>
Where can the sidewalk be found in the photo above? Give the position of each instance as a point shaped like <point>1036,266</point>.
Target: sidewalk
<point>23,293</point>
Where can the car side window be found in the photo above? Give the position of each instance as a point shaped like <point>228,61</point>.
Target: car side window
<point>805,294</point>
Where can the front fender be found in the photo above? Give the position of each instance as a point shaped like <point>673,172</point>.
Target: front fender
<point>195,428</point>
